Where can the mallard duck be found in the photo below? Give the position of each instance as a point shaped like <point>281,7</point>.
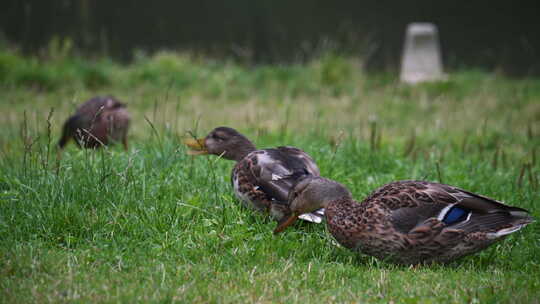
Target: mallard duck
<point>97,122</point>
<point>408,222</point>
<point>261,178</point>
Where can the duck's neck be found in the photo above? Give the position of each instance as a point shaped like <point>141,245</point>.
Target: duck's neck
<point>242,151</point>
<point>343,207</point>
<point>345,220</point>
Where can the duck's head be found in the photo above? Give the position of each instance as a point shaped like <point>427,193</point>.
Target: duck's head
<point>222,141</point>
<point>310,194</point>
<point>113,103</point>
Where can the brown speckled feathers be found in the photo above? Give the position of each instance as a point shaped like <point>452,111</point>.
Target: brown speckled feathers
<point>405,222</point>
<point>409,222</point>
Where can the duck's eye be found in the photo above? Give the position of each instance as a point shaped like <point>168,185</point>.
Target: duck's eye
<point>217,137</point>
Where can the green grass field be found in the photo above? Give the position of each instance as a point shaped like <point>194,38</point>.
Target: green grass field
<point>156,225</point>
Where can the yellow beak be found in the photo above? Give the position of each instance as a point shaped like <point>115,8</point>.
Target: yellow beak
<point>283,225</point>
<point>196,146</point>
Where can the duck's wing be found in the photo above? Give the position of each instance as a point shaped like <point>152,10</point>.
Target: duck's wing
<point>414,203</point>
<point>299,158</point>
<point>276,171</point>
<point>91,107</point>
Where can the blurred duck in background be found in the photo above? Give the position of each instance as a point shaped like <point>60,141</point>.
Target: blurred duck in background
<point>261,179</point>
<point>98,122</point>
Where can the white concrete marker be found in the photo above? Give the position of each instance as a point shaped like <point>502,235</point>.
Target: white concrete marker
<point>421,59</point>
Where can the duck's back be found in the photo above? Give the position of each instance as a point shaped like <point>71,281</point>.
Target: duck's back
<point>263,179</point>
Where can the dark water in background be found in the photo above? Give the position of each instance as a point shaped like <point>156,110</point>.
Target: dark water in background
<point>503,35</point>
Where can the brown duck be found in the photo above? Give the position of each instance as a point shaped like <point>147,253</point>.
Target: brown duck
<point>261,178</point>
<point>408,222</point>
<point>97,122</point>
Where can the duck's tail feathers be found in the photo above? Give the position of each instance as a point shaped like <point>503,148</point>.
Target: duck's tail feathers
<point>520,219</point>
<point>491,217</point>
<point>496,224</point>
<point>520,213</point>
<point>70,126</point>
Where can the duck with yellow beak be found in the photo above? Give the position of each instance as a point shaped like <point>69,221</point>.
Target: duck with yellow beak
<point>408,222</point>
<point>261,178</point>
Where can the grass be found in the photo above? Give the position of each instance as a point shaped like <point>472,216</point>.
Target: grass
<point>156,225</point>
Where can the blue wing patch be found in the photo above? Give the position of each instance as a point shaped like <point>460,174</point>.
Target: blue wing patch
<point>454,215</point>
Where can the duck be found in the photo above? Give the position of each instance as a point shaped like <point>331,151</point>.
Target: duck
<point>261,179</point>
<point>98,122</point>
<point>408,222</point>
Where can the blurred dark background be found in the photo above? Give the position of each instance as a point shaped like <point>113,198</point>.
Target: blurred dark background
<point>494,35</point>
